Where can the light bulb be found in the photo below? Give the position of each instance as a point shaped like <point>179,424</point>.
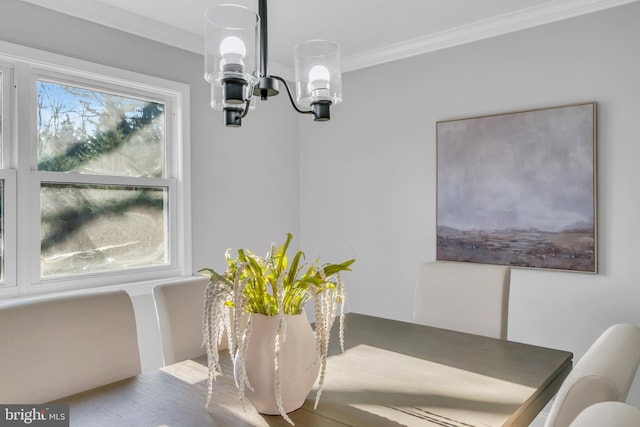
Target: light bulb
<point>318,85</point>
<point>233,45</point>
<point>232,50</point>
<point>319,77</point>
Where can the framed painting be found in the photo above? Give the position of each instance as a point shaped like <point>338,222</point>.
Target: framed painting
<point>519,189</point>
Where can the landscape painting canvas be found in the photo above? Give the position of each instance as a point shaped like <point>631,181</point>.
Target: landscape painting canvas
<point>519,189</point>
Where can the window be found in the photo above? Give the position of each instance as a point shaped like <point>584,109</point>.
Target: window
<point>91,227</point>
<point>96,170</point>
<point>92,132</point>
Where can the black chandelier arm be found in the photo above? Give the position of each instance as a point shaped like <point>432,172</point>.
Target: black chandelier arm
<point>293,103</point>
<point>246,108</point>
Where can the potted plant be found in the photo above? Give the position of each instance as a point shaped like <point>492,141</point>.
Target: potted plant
<point>257,304</point>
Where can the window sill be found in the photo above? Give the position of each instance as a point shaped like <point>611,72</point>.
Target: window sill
<point>133,289</point>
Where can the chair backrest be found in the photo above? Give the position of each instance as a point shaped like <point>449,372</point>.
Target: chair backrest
<point>604,373</point>
<point>608,414</point>
<point>55,347</point>
<point>463,297</point>
<point>180,307</point>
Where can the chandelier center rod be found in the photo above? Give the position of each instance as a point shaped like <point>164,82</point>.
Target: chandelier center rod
<point>264,38</point>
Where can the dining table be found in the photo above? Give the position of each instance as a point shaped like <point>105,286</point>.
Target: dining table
<point>391,373</point>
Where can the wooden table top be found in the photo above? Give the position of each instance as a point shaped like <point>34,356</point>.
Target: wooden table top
<point>391,374</point>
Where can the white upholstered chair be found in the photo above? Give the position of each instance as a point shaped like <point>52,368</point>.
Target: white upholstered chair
<point>608,414</point>
<point>464,297</point>
<point>54,347</point>
<point>604,373</point>
<point>180,307</point>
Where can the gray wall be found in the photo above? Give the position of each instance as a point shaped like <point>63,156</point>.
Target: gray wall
<point>376,198</point>
<point>363,185</point>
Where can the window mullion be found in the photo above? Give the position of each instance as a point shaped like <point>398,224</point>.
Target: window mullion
<point>9,217</point>
<point>23,144</point>
<point>6,114</point>
<point>77,178</point>
<point>8,178</point>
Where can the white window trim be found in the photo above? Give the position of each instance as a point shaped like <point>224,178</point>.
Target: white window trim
<point>8,176</point>
<point>7,101</point>
<point>31,64</point>
<point>10,233</point>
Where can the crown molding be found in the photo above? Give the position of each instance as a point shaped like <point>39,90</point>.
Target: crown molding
<point>550,11</point>
<point>545,13</point>
<point>113,17</point>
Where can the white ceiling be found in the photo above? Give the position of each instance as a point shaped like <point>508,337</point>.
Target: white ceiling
<point>369,31</point>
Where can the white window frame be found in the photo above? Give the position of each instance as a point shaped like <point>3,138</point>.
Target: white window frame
<point>8,176</point>
<point>30,65</point>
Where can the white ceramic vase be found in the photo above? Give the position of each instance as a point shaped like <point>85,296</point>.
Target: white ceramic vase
<point>299,363</point>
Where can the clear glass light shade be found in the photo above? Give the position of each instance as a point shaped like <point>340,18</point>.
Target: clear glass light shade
<point>218,103</point>
<point>231,41</point>
<point>317,72</point>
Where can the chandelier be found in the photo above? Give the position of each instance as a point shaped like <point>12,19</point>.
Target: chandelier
<point>236,60</point>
